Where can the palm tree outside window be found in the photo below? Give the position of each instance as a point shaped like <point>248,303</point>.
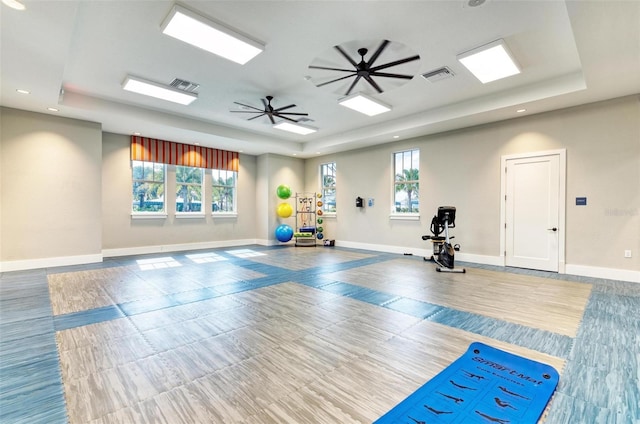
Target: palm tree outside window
<point>224,186</point>
<point>406,182</point>
<point>189,189</point>
<point>148,180</point>
<point>328,181</point>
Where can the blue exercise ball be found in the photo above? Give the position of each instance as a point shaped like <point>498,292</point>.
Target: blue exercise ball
<point>320,236</point>
<point>284,233</point>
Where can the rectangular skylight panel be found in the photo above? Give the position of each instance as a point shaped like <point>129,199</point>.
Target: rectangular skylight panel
<point>211,36</point>
<point>158,91</point>
<point>490,62</point>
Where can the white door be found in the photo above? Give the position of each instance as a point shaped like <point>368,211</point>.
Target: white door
<point>532,217</point>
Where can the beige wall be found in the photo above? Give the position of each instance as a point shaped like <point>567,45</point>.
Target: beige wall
<point>121,231</point>
<point>50,187</point>
<point>462,168</point>
<point>83,177</point>
<point>274,170</point>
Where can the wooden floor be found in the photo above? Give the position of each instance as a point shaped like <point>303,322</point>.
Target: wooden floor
<point>310,335</point>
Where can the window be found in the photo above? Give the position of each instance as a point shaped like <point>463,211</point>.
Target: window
<point>189,189</point>
<point>223,186</point>
<point>406,181</point>
<point>148,186</point>
<point>328,181</point>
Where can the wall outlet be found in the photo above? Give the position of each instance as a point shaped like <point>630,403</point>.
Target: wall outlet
<point>627,253</point>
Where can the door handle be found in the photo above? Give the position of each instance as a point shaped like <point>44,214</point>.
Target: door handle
<point>552,229</point>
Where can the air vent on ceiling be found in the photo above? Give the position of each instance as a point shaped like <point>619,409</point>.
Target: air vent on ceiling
<point>183,85</point>
<point>475,3</point>
<point>438,74</point>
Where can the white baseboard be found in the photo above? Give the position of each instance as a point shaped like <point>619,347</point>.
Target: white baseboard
<point>21,265</point>
<point>460,256</point>
<point>580,270</point>
<point>145,250</point>
<point>480,259</point>
<point>265,242</point>
<point>384,248</point>
<point>606,273</point>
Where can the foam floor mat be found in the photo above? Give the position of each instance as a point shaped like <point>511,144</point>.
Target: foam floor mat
<point>485,385</point>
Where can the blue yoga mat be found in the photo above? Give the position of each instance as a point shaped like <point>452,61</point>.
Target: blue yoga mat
<point>485,385</point>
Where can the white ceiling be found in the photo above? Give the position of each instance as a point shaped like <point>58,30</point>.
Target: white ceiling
<point>571,53</point>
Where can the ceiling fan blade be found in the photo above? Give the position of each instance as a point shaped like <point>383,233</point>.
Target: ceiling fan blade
<point>264,102</point>
<point>292,113</point>
<point>383,46</point>
<point>256,117</point>
<point>337,79</point>
<point>245,111</point>
<point>288,119</point>
<point>395,63</point>
<point>387,75</point>
<point>273,121</point>
<point>373,83</point>
<point>355,81</point>
<point>250,107</point>
<point>351,61</point>
<point>330,69</point>
<point>284,107</point>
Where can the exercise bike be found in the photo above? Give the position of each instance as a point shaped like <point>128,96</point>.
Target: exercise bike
<point>443,251</point>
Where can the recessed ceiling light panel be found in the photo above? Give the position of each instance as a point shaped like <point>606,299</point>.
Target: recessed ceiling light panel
<point>295,128</point>
<point>14,4</point>
<point>159,91</point>
<point>211,36</point>
<point>364,104</point>
<point>490,62</point>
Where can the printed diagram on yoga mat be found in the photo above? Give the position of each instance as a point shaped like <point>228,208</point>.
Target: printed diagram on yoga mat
<point>485,385</point>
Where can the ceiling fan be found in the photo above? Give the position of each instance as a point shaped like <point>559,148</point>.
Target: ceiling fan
<point>366,69</point>
<point>269,111</point>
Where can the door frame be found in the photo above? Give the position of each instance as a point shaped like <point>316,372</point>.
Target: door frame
<point>562,202</point>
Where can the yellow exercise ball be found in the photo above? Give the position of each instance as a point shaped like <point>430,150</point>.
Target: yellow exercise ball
<point>284,210</point>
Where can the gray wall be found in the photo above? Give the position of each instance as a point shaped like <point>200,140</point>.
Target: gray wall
<point>462,168</point>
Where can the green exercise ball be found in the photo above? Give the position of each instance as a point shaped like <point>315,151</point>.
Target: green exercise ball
<point>283,191</point>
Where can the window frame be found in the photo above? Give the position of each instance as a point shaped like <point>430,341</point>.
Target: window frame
<point>234,187</point>
<point>324,188</point>
<point>149,214</point>
<point>395,213</point>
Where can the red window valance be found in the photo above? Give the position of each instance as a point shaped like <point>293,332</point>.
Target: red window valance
<point>172,153</point>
